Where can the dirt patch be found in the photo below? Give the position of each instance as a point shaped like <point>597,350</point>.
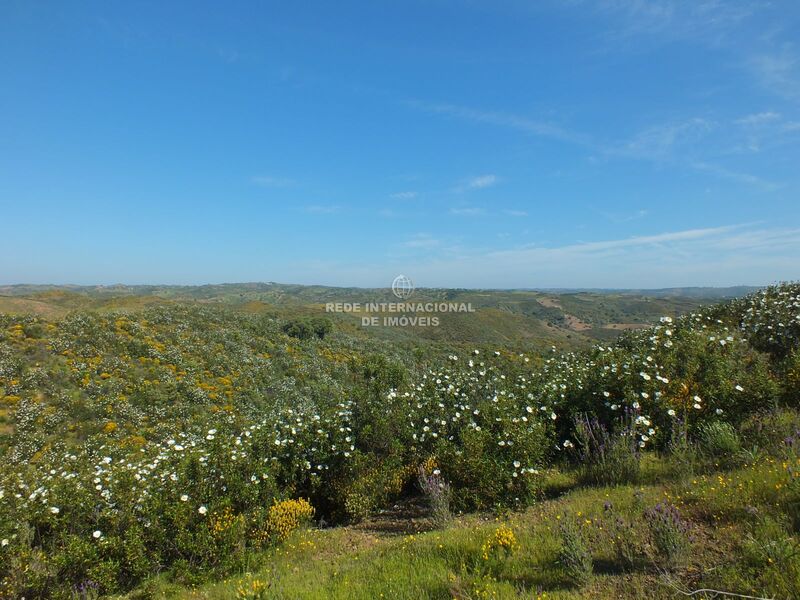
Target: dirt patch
<point>406,516</point>
<point>549,302</point>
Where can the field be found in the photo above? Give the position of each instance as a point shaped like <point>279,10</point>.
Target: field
<point>238,441</point>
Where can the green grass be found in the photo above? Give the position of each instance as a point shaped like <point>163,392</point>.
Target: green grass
<point>730,513</point>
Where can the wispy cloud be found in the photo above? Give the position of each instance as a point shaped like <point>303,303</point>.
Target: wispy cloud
<point>422,241</point>
<point>522,124</point>
<point>477,183</point>
<point>662,142</point>
<point>322,209</point>
<point>724,255</point>
<point>272,181</point>
<point>757,119</point>
<point>659,142</point>
<point>468,211</point>
<point>778,70</point>
<point>516,213</point>
<point>737,176</point>
<point>710,21</point>
<point>484,181</point>
<point>403,195</point>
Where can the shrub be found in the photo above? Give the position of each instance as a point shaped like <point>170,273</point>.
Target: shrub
<point>252,589</point>
<point>719,441</point>
<point>502,543</point>
<point>669,534</point>
<point>287,515</point>
<point>437,493</point>
<point>768,431</point>
<point>682,453</point>
<point>605,457</point>
<point>626,541</point>
<point>772,558</point>
<point>304,329</point>
<point>574,556</point>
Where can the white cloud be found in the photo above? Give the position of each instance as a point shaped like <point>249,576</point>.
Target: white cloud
<point>422,240</point>
<point>477,183</point>
<point>778,71</point>
<point>659,142</point>
<point>758,118</point>
<point>403,195</point>
<point>523,124</point>
<point>322,209</point>
<point>516,213</point>
<point>726,255</point>
<point>467,211</point>
<point>483,181</point>
<point>737,176</point>
<point>271,181</point>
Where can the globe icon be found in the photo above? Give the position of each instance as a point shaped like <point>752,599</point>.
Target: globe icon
<point>402,287</point>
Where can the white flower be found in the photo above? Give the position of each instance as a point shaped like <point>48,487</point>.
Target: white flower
<point>739,388</point>
<point>568,444</point>
<point>4,543</point>
<point>516,464</point>
<point>202,510</point>
<point>55,510</point>
<point>97,534</point>
<point>718,411</point>
<point>697,405</point>
<point>184,498</point>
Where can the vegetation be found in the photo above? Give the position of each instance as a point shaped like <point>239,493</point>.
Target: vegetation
<point>183,443</point>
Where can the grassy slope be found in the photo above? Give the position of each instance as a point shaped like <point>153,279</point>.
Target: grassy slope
<point>366,562</point>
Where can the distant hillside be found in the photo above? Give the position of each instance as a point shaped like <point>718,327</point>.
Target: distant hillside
<point>524,318</point>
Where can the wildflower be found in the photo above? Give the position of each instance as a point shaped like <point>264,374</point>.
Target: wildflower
<point>184,497</point>
<point>4,543</point>
<point>55,510</point>
<point>97,534</point>
<point>202,510</point>
<point>739,388</point>
<point>671,412</point>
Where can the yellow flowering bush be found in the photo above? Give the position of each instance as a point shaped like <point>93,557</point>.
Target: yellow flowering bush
<point>502,541</point>
<point>252,589</point>
<point>287,515</point>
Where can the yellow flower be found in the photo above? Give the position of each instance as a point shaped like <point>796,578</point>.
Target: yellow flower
<point>286,516</point>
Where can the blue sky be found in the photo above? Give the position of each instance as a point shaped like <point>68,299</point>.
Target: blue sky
<point>603,143</point>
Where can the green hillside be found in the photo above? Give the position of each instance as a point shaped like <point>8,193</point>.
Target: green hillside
<point>520,318</point>
<point>155,449</point>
